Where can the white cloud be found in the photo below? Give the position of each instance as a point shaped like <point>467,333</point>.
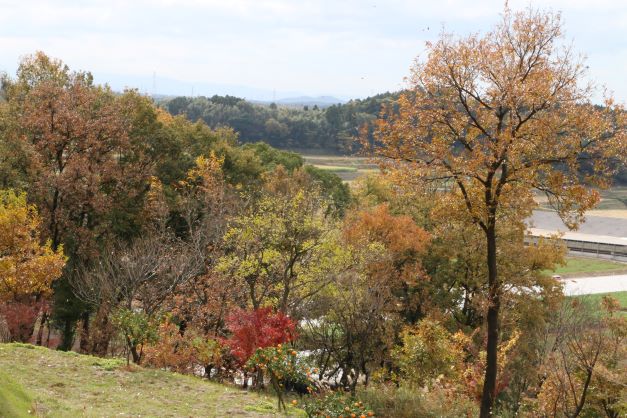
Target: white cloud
<point>345,47</point>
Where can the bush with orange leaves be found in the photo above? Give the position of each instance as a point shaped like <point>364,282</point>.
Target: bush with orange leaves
<point>187,352</point>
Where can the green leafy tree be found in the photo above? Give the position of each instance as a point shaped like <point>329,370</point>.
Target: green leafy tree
<point>279,248</point>
<point>138,329</point>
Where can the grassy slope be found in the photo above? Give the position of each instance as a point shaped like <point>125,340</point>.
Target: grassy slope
<point>596,298</point>
<point>581,265</point>
<point>58,384</point>
<point>14,402</point>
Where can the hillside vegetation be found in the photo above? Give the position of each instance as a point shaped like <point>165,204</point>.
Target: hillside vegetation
<point>42,382</point>
<point>331,129</point>
<point>128,234</point>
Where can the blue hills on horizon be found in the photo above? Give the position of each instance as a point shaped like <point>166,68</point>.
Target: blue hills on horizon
<point>168,87</point>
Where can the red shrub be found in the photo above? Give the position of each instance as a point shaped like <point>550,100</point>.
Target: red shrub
<point>257,329</point>
<point>20,318</point>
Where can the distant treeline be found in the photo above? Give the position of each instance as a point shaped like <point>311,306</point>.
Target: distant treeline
<point>331,129</point>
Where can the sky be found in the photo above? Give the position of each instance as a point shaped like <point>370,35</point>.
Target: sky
<point>265,49</point>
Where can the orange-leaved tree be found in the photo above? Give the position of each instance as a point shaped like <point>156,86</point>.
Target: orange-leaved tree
<point>494,117</point>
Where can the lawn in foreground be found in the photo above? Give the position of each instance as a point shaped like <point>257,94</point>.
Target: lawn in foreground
<point>580,265</point>
<point>14,402</point>
<point>59,384</point>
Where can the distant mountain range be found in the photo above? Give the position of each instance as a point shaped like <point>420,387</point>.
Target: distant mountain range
<point>300,101</point>
<point>162,87</point>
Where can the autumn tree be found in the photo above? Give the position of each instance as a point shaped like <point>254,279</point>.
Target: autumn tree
<point>582,372</point>
<point>494,117</point>
<point>399,269</point>
<point>140,275</point>
<point>206,202</point>
<point>280,248</point>
<point>27,267</point>
<point>81,156</point>
<point>87,161</point>
<point>377,275</point>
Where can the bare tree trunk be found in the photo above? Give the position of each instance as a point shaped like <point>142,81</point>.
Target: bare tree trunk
<point>489,382</point>
<point>101,332</point>
<point>134,353</point>
<point>42,323</point>
<point>84,339</point>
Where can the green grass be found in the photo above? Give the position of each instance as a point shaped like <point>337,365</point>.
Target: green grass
<point>579,265</point>
<point>595,299</point>
<point>620,296</point>
<point>611,199</point>
<point>57,384</point>
<point>14,401</point>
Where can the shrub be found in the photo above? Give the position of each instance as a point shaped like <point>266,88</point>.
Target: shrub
<point>20,319</point>
<point>255,329</point>
<point>137,328</point>
<point>388,400</point>
<point>336,405</point>
<point>429,351</point>
<point>182,352</point>
<point>284,369</point>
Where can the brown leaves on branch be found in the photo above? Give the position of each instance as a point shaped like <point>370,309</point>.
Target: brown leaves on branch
<point>82,160</point>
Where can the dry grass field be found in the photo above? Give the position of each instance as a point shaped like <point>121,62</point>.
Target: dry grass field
<point>613,202</point>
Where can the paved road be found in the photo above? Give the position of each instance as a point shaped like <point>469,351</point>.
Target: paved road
<point>595,225</point>
<point>590,285</point>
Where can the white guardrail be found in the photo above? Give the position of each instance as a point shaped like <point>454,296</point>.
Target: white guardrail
<point>601,246</point>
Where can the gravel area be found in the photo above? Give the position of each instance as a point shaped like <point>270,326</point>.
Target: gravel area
<point>594,225</point>
<point>591,285</point>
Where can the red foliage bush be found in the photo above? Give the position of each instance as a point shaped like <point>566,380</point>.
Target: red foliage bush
<point>20,318</point>
<point>255,329</point>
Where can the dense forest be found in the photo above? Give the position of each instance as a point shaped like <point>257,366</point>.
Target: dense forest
<point>179,241</point>
<point>330,130</point>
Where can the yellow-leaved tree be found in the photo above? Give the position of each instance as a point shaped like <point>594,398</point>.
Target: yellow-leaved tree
<point>27,267</point>
<point>494,117</point>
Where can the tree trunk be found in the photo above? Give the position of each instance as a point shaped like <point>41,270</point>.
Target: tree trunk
<point>489,382</point>
<point>42,323</point>
<point>101,332</point>
<point>84,338</point>
<point>134,353</point>
<point>67,339</point>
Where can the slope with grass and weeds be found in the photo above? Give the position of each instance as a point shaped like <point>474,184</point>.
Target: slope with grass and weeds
<point>36,381</point>
<point>588,266</point>
<point>595,299</point>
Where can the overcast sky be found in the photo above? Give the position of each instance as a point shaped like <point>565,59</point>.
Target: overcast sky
<point>342,48</point>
